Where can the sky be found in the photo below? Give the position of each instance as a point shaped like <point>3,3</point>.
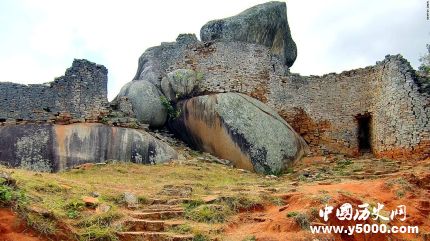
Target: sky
<point>40,39</point>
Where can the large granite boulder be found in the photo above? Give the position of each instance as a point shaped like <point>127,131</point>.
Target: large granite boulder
<point>53,148</point>
<point>149,66</point>
<point>241,129</point>
<point>179,84</point>
<point>264,24</point>
<point>146,102</point>
<point>154,61</point>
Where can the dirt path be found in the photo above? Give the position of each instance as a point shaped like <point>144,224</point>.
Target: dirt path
<point>14,229</point>
<point>273,223</point>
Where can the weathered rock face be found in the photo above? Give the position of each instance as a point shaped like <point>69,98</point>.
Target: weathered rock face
<point>241,129</point>
<point>264,24</point>
<point>146,102</point>
<point>58,147</point>
<point>179,83</point>
<point>154,61</point>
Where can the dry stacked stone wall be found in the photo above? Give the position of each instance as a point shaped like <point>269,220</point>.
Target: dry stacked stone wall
<point>78,96</point>
<point>325,110</point>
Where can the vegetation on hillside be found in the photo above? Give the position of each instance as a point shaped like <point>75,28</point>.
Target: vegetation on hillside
<point>215,196</point>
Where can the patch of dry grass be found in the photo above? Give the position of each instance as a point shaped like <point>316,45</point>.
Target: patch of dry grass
<point>60,194</point>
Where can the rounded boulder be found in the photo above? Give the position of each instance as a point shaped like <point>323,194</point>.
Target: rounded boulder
<point>179,83</point>
<point>241,129</point>
<point>146,102</point>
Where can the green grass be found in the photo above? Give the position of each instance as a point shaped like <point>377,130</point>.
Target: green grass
<point>60,194</point>
<point>198,211</point>
<point>201,237</point>
<point>73,208</point>
<point>181,229</point>
<point>277,201</point>
<point>99,226</point>
<point>292,214</point>
<point>342,167</point>
<point>193,204</point>
<point>240,202</point>
<point>95,233</point>
<point>343,163</point>
<point>43,225</point>
<point>102,219</point>
<point>208,213</point>
<point>6,194</point>
<point>250,238</point>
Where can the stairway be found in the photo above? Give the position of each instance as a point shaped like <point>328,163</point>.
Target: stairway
<point>153,222</point>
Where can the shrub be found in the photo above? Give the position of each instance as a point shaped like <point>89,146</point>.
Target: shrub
<point>6,194</point>
<point>240,202</point>
<point>73,208</point>
<point>208,213</point>
<point>292,214</point>
<point>277,201</point>
<point>302,220</point>
<point>201,237</point>
<point>43,225</point>
<point>172,112</point>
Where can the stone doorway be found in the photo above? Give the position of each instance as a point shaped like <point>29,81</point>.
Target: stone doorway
<point>364,133</point>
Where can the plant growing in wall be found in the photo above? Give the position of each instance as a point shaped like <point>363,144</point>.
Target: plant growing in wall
<point>424,71</point>
<point>425,61</point>
<point>172,112</point>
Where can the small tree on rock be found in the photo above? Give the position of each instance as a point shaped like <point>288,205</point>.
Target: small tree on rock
<point>424,71</point>
<point>425,61</point>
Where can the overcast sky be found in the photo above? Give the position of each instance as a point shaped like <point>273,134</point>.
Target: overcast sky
<point>40,39</point>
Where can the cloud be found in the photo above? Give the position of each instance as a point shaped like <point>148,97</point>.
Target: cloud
<point>41,38</point>
<point>339,35</point>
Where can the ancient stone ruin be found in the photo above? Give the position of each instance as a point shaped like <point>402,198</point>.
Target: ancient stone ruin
<point>231,94</point>
<point>69,122</point>
<point>80,94</point>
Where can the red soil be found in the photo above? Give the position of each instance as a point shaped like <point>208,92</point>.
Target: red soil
<point>14,229</point>
<point>272,224</point>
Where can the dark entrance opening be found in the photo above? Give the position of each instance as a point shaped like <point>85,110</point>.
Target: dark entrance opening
<point>364,133</point>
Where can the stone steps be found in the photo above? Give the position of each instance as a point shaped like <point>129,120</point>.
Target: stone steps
<point>154,236</point>
<point>174,201</point>
<point>154,221</point>
<point>158,215</point>
<point>160,208</point>
<point>140,225</point>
